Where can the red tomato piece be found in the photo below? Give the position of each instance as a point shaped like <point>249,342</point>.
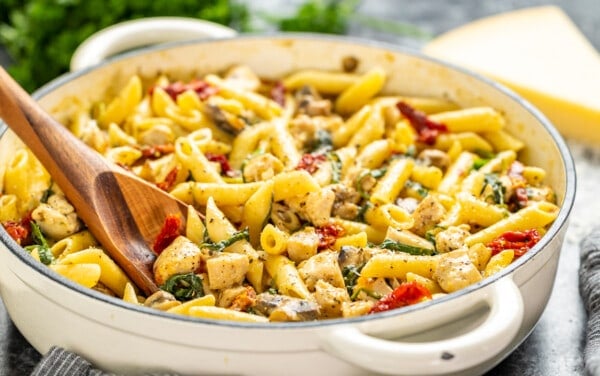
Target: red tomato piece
<point>170,230</point>
<point>427,129</point>
<point>223,162</point>
<point>406,294</point>
<point>310,162</point>
<point>328,235</point>
<point>519,241</point>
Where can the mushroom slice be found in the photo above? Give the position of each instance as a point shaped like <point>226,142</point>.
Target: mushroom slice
<point>285,308</point>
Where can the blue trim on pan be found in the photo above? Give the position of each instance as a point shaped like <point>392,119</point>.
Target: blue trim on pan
<point>551,234</point>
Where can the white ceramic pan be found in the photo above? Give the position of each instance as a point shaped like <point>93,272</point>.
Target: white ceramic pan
<point>466,332</point>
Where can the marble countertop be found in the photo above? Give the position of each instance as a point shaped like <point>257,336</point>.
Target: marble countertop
<point>555,345</point>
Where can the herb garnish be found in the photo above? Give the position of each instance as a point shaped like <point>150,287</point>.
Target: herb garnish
<point>184,286</point>
<point>41,245</point>
<point>221,245</point>
<point>395,246</point>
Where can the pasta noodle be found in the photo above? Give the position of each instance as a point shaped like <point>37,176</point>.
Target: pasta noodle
<point>309,197</point>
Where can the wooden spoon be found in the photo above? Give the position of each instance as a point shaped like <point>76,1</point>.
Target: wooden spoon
<point>123,212</point>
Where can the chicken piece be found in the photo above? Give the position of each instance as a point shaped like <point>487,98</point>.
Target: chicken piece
<point>357,308</point>
<point>310,102</point>
<point>302,244</point>
<point>455,271</point>
<point>262,167</point>
<point>434,157</point>
<point>322,266</point>
<point>241,77</point>
<point>161,300</point>
<point>330,299</point>
<point>409,204</point>
<point>159,134</point>
<point>238,298</point>
<point>57,218</point>
<point>480,255</point>
<point>180,257</point>
<point>304,130</point>
<point>346,200</point>
<point>315,207</point>
<point>226,270</point>
<point>285,308</point>
<point>452,238</point>
<point>371,288</point>
<point>428,214</point>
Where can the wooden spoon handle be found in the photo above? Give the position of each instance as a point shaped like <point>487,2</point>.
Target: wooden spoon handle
<point>92,185</point>
<point>55,146</point>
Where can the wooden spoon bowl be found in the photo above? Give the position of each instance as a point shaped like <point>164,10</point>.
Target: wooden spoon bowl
<point>123,212</point>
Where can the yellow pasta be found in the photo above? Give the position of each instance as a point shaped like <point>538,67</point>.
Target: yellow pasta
<point>393,181</point>
<point>286,277</point>
<point>324,82</point>
<point>537,215</point>
<point>86,275</point>
<point>396,265</point>
<point>273,240</point>
<point>257,211</point>
<point>357,95</point>
<point>310,196</point>
<point>111,274</point>
<point>474,119</point>
<point>456,173</point>
<point>218,313</point>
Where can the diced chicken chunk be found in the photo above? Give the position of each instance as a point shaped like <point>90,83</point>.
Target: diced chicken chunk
<point>357,308</point>
<point>180,257</point>
<point>238,298</point>
<point>226,270</point>
<point>262,167</point>
<point>315,206</point>
<point>321,267</point>
<point>242,77</point>
<point>330,299</point>
<point>452,238</point>
<point>302,244</point>
<point>434,157</point>
<point>57,218</point>
<point>428,214</point>
<point>455,271</point>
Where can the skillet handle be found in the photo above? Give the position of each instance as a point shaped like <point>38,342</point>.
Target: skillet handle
<point>128,35</point>
<point>438,357</point>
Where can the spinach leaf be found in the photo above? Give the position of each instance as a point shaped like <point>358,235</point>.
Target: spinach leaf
<point>184,286</point>
<point>395,246</point>
<point>41,244</point>
<point>220,246</point>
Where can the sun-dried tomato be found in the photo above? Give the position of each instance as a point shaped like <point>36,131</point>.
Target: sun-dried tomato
<point>20,231</point>
<point>202,89</point>
<point>156,151</point>
<point>169,232</point>
<point>310,162</point>
<point>515,173</point>
<point>223,162</point>
<point>406,294</point>
<point>278,93</point>
<point>328,234</point>
<point>519,241</point>
<point>169,181</point>
<point>427,129</point>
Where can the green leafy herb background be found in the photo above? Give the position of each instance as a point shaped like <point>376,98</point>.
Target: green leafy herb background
<point>41,35</point>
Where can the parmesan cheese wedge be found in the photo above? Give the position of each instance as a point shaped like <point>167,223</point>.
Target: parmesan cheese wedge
<point>540,54</point>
